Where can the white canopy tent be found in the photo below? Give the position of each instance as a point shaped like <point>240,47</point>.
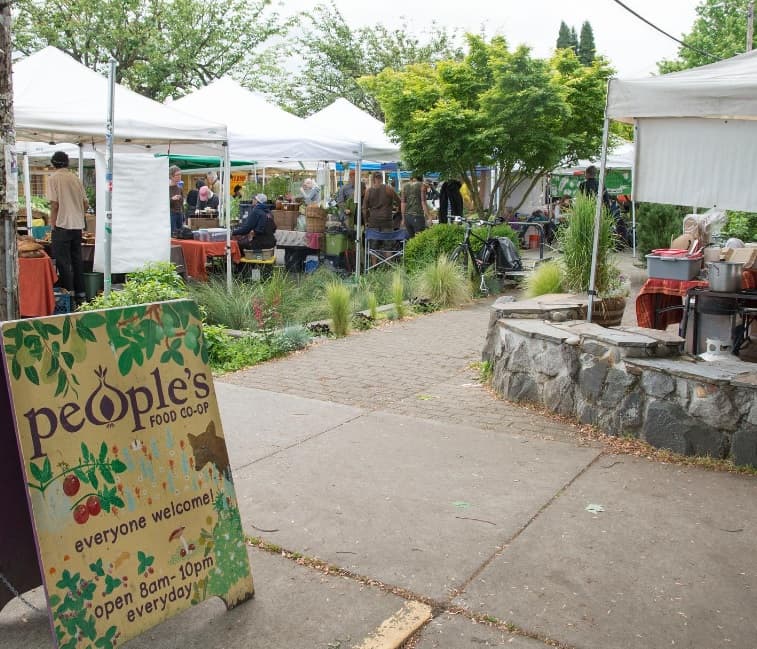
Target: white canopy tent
<point>695,136</point>
<point>620,157</point>
<point>57,99</point>
<point>355,124</point>
<point>261,131</point>
<point>695,133</point>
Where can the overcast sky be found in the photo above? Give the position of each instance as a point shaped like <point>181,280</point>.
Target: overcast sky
<point>632,46</point>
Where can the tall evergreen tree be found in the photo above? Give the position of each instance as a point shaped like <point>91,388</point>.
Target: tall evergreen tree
<point>574,40</point>
<point>563,37</point>
<point>586,47</point>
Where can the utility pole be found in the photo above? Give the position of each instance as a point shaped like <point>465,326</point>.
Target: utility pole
<point>749,25</point>
<point>8,174</point>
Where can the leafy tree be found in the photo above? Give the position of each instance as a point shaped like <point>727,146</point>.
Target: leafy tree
<point>518,114</point>
<point>574,39</point>
<point>335,55</point>
<point>563,36</point>
<point>162,47</point>
<point>719,30</point>
<point>586,48</point>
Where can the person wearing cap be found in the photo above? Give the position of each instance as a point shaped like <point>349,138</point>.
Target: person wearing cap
<point>68,203</point>
<point>206,199</point>
<point>176,198</point>
<point>256,231</point>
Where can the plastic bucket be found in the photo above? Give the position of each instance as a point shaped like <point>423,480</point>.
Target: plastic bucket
<point>93,284</point>
<point>533,241</point>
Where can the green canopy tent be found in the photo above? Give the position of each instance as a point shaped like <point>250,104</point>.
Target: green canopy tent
<point>191,162</point>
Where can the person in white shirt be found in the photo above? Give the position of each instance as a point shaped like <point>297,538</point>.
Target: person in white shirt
<point>68,204</point>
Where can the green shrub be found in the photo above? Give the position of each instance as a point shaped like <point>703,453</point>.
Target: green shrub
<point>656,225</point>
<point>154,282</point>
<point>443,283</point>
<point>340,307</point>
<point>742,225</point>
<point>546,278</point>
<point>289,339</point>
<point>228,353</point>
<point>426,246</point>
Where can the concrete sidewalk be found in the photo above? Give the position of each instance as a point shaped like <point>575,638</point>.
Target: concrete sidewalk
<point>382,456</point>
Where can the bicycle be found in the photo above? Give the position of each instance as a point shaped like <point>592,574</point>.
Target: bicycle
<point>487,258</point>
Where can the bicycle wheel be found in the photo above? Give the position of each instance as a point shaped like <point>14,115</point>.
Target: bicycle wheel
<point>460,256</point>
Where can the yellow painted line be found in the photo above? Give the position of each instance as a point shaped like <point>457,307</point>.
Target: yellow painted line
<point>393,631</point>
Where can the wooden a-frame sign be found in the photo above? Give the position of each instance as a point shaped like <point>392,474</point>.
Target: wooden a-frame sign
<point>118,495</point>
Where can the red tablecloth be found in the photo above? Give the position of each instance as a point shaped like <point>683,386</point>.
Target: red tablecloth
<point>196,252</point>
<point>657,294</point>
<point>36,277</point>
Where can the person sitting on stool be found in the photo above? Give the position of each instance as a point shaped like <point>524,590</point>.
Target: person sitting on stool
<point>256,231</point>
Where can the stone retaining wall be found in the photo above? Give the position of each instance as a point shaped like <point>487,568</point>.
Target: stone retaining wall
<point>628,381</point>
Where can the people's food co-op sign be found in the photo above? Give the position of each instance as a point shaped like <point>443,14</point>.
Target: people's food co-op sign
<point>127,471</point>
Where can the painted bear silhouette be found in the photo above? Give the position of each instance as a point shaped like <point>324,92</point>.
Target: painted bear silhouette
<point>208,448</point>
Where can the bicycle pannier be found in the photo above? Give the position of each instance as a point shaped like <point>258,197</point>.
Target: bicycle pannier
<point>508,255</point>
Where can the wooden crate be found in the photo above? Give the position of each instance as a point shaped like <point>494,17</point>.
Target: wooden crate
<point>197,223</point>
<point>315,219</point>
<point>285,219</point>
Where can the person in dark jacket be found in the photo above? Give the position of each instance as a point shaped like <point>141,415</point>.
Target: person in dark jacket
<point>206,199</point>
<point>590,186</point>
<point>193,197</point>
<point>450,200</point>
<point>256,231</point>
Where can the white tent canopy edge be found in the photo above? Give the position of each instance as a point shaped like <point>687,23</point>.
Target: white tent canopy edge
<point>695,136</point>
<point>57,99</point>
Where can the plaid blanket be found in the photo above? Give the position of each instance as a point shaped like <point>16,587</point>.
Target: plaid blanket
<point>658,294</point>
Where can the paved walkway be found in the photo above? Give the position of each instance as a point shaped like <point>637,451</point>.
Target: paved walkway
<point>381,456</point>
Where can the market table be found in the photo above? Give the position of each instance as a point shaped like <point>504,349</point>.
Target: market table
<point>658,299</point>
<point>197,252</point>
<point>36,277</point>
<point>296,239</point>
<point>297,246</point>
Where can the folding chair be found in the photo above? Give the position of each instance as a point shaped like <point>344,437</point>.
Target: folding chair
<point>376,256</point>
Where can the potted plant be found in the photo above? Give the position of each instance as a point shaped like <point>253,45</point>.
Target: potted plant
<point>576,241</point>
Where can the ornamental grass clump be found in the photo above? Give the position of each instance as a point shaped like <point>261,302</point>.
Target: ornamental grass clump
<point>371,303</point>
<point>443,283</point>
<point>398,294</point>
<point>340,307</point>
<point>546,278</point>
<point>576,242</point>
<point>232,309</point>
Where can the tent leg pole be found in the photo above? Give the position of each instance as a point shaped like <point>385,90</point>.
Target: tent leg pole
<point>227,210</point>
<point>358,216</point>
<point>598,214</point>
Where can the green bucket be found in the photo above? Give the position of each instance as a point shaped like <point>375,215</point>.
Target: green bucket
<point>93,284</point>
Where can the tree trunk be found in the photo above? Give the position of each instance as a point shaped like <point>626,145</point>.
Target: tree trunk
<point>8,174</point>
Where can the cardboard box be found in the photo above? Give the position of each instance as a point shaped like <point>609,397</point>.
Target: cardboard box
<point>201,223</point>
<point>746,256</point>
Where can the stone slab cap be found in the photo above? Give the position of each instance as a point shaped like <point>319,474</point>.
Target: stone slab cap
<point>664,337</point>
<point>697,370</point>
<point>536,329</point>
<point>748,380</point>
<point>614,337</point>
